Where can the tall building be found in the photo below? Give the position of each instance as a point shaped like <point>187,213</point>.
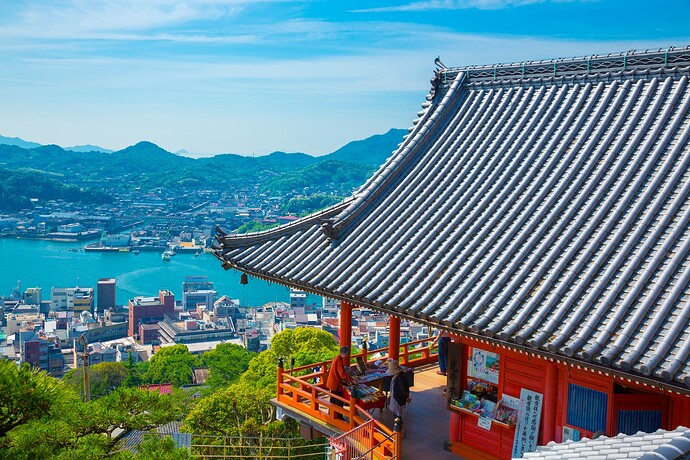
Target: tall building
<point>196,283</point>
<point>41,352</point>
<point>191,299</point>
<point>149,309</point>
<point>71,299</point>
<point>298,299</point>
<point>197,290</point>
<point>106,292</point>
<point>33,296</point>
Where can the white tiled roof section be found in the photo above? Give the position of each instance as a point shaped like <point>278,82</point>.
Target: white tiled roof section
<point>548,211</point>
<point>661,445</point>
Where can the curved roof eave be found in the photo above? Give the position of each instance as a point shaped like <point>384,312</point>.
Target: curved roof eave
<point>539,213</point>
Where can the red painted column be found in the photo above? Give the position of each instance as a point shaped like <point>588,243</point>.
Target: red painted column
<point>394,338</point>
<point>548,426</point>
<point>345,332</point>
<point>455,427</point>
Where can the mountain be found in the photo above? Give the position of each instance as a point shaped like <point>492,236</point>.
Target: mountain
<point>88,148</point>
<point>32,145</point>
<point>20,186</point>
<point>373,150</point>
<point>330,176</point>
<point>287,161</point>
<point>18,142</point>
<point>146,163</point>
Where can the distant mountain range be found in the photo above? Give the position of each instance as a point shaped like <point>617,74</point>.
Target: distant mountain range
<point>354,152</point>
<point>88,148</point>
<point>18,142</point>
<point>146,164</point>
<point>31,145</point>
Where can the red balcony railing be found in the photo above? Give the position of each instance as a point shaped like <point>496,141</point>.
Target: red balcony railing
<point>303,389</point>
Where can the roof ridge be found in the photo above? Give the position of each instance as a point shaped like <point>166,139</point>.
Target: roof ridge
<point>597,63</point>
<point>395,165</point>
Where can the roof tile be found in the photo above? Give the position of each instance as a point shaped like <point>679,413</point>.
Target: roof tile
<point>513,210</point>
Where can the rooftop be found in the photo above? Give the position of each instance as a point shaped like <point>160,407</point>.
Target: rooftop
<point>542,205</point>
<point>660,445</point>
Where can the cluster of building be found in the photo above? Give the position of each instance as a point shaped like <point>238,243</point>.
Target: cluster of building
<point>50,334</point>
<point>162,217</point>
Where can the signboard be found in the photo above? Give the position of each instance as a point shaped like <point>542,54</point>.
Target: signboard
<point>484,422</point>
<point>527,430</point>
<point>511,402</point>
<point>484,365</point>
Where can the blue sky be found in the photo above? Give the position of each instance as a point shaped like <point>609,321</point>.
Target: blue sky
<point>253,76</point>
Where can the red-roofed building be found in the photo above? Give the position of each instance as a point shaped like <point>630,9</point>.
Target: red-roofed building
<point>162,388</point>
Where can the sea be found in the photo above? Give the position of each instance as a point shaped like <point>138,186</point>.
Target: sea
<point>48,264</point>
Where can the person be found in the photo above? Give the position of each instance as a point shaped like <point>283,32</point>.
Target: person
<point>400,389</point>
<point>443,339</point>
<point>337,377</point>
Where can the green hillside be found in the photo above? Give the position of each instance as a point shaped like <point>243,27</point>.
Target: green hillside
<point>146,163</point>
<point>18,187</point>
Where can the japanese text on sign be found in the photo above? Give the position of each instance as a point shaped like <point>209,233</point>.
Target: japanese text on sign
<point>527,430</point>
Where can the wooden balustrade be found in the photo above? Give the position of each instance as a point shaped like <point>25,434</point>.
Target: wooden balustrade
<point>304,389</point>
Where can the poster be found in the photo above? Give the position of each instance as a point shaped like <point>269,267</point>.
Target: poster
<point>529,416</point>
<point>484,365</point>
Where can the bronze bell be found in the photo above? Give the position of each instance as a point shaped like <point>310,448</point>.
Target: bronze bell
<point>244,279</point>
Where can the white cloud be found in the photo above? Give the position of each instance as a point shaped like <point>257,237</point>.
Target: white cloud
<point>432,5</point>
<point>115,19</point>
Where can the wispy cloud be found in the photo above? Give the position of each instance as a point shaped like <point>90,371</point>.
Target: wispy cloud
<point>259,75</point>
<point>432,5</point>
<point>117,19</point>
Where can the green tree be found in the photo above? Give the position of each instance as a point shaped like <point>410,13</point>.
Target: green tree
<point>309,204</point>
<point>226,363</point>
<point>134,372</point>
<point>27,394</point>
<point>93,429</point>
<point>262,371</point>
<point>226,411</point>
<point>157,447</point>
<point>172,365</point>
<point>88,430</point>
<point>103,378</point>
<point>305,344</point>
<point>254,226</point>
<point>235,410</point>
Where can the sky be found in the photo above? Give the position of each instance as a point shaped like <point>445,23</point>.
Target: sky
<point>255,76</point>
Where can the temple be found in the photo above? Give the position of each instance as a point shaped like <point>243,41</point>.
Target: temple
<point>539,212</point>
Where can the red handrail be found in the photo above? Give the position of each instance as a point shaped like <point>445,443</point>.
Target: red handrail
<point>304,394</point>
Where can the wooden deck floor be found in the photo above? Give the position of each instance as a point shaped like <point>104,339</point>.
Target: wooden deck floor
<point>426,419</point>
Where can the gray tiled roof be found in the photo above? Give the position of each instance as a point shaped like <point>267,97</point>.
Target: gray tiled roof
<point>661,445</point>
<point>546,209</point>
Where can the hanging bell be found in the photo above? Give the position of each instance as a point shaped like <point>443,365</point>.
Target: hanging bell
<point>244,279</point>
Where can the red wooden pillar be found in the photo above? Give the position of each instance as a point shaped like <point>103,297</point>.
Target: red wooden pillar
<point>345,332</point>
<point>394,338</point>
<point>548,427</point>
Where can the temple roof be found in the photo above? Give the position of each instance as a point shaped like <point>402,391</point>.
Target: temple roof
<point>542,204</point>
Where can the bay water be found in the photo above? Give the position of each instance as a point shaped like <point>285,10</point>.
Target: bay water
<point>48,264</point>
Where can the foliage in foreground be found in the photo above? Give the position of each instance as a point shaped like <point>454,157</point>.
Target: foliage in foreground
<point>243,408</point>
<point>103,378</point>
<point>42,417</point>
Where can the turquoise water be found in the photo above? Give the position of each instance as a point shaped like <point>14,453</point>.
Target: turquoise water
<point>49,264</point>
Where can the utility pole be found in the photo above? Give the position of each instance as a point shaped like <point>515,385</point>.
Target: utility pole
<point>85,366</point>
